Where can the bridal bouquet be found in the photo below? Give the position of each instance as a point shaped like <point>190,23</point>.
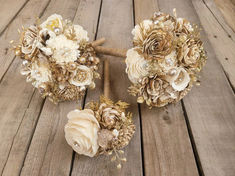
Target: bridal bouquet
<point>165,61</point>
<point>104,128</point>
<point>57,59</point>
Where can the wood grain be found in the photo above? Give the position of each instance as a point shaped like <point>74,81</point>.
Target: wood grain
<point>116,22</point>
<point>222,42</point>
<point>8,10</point>
<point>26,17</point>
<point>19,104</point>
<point>166,143</point>
<point>227,8</point>
<point>210,107</point>
<point>144,9</point>
<point>16,111</point>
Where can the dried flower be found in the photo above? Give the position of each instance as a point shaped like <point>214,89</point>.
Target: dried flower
<point>53,23</point>
<point>82,76</point>
<point>81,34</point>
<point>29,39</point>
<point>65,50</point>
<point>179,79</point>
<point>157,43</point>
<point>104,138</point>
<point>81,132</point>
<point>136,66</point>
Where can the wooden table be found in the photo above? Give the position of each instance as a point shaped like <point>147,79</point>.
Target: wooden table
<point>193,137</point>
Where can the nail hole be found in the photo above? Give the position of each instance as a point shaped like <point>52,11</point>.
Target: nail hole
<point>6,50</point>
<point>226,58</point>
<point>166,117</point>
<point>215,36</point>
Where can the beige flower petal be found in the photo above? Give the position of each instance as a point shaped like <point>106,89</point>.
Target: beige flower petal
<point>136,66</point>
<point>81,132</point>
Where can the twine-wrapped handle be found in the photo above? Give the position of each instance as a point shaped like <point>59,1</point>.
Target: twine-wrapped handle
<point>111,51</point>
<point>98,42</point>
<point>107,51</point>
<point>106,78</point>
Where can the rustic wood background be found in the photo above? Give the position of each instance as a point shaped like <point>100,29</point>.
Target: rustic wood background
<point>193,137</point>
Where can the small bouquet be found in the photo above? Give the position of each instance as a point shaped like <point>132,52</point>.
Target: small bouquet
<point>57,58</point>
<point>104,128</point>
<point>166,59</point>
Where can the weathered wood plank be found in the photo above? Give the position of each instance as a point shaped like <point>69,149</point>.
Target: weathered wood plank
<point>15,112</point>
<point>49,153</point>
<point>18,101</point>
<point>88,15</point>
<point>167,147</point>
<point>8,10</point>
<point>26,17</point>
<point>22,138</point>
<point>210,107</point>
<point>220,40</point>
<point>144,9</point>
<point>227,8</point>
<point>116,22</point>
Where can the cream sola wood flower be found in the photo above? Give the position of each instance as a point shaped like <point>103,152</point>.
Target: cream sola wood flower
<point>103,128</point>
<point>58,59</point>
<point>165,61</point>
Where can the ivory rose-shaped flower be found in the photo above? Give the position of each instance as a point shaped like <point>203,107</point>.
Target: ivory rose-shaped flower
<point>190,53</point>
<point>157,43</point>
<point>137,31</point>
<point>82,76</point>
<point>81,34</point>
<point>64,50</point>
<point>81,132</point>
<point>29,40</point>
<point>164,21</point>
<point>53,23</point>
<point>168,62</point>
<point>136,66</point>
<point>39,74</point>
<point>183,25</point>
<point>178,78</point>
